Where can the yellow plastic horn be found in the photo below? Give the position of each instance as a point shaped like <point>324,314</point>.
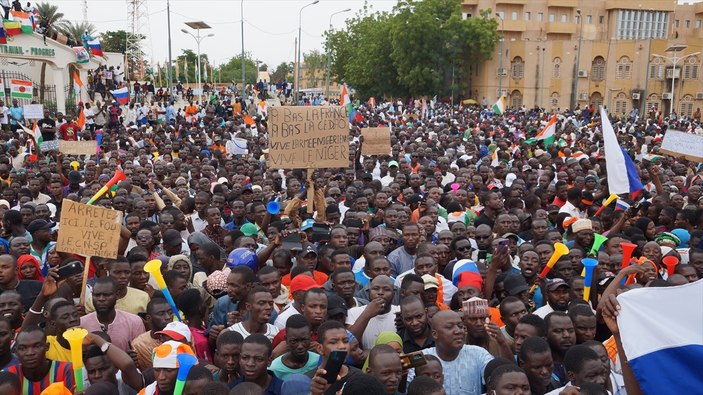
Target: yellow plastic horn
<point>610,199</point>
<point>75,337</point>
<point>153,267</point>
<point>74,165</point>
<point>560,249</point>
<point>599,240</point>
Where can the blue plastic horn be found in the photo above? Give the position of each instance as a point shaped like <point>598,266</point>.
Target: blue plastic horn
<point>273,207</point>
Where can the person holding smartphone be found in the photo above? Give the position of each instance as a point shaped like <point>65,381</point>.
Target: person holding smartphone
<point>333,347</point>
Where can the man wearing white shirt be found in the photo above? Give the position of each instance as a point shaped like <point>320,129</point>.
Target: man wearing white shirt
<point>392,171</point>
<point>573,201</point>
<point>367,322</point>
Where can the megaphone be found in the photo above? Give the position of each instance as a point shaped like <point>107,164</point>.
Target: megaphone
<point>119,176</point>
<point>560,249</point>
<point>273,207</point>
<point>627,249</point>
<point>670,262</point>
<point>610,199</point>
<point>599,240</point>
<point>589,264</point>
<point>75,337</point>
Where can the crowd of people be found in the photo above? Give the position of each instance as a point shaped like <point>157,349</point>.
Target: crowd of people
<point>416,272</point>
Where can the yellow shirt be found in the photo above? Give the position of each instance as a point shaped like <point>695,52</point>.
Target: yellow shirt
<point>134,302</point>
<point>56,351</point>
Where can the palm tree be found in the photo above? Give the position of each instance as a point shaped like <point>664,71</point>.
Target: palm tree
<point>74,30</point>
<point>49,16</point>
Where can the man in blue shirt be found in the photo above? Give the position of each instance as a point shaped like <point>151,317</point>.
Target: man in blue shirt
<point>16,116</point>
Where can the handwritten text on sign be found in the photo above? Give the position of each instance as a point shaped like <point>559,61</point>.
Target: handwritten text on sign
<point>377,141</point>
<point>307,137</point>
<point>683,145</point>
<point>89,230</point>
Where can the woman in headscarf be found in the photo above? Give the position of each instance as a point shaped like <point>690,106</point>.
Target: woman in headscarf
<point>195,240</point>
<point>181,264</point>
<point>390,338</point>
<point>646,225</point>
<point>28,268</point>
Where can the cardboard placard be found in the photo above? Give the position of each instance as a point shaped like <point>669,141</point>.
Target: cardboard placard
<point>377,141</point>
<point>88,147</point>
<point>308,137</point>
<point>683,145</point>
<point>89,230</point>
<point>51,145</point>
<point>33,111</point>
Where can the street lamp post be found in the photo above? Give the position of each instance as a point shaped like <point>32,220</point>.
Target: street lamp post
<point>170,59</point>
<point>198,26</point>
<point>300,30</point>
<point>329,55</point>
<point>575,82</point>
<point>500,75</point>
<point>674,61</point>
<point>243,72</point>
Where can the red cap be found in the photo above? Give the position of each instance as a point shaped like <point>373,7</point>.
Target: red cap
<point>302,282</point>
<point>471,279</point>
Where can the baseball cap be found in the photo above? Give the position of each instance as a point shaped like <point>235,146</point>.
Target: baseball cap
<point>177,331</point>
<point>249,230</point>
<point>514,284</point>
<point>430,281</point>
<point>172,237</point>
<point>307,224</point>
<point>302,282</point>
<point>555,283</point>
<point>166,354</point>
<point>39,224</point>
<point>336,305</point>
<point>309,250</point>
<point>222,180</point>
<point>296,384</point>
<point>392,163</point>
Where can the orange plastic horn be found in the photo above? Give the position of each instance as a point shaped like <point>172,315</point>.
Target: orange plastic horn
<point>119,176</point>
<point>627,249</point>
<point>670,262</point>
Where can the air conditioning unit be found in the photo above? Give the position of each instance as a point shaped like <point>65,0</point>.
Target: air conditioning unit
<point>673,73</point>
<point>583,74</point>
<point>699,95</point>
<point>666,96</point>
<point>501,72</point>
<point>583,96</point>
<point>635,96</point>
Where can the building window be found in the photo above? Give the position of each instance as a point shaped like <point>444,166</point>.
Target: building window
<point>691,68</point>
<point>598,69</point>
<point>552,17</point>
<point>621,104</point>
<point>656,69</point>
<point>623,69</point>
<point>639,25</point>
<point>554,101</point>
<point>564,18</point>
<point>698,23</point>
<point>513,15</point>
<point>540,16</point>
<point>577,19</point>
<point>688,24</point>
<point>516,99</point>
<point>556,68</point>
<point>686,106</point>
<point>500,14</point>
<point>589,19</point>
<point>676,23</point>
<point>601,19</point>
<point>528,14</point>
<point>596,99</point>
<point>517,67</point>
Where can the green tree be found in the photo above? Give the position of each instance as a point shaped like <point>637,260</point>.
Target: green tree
<point>232,70</point>
<point>49,15</point>
<point>74,30</point>
<point>115,41</point>
<point>282,72</point>
<point>314,64</point>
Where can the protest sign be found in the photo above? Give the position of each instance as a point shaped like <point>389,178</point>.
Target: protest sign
<point>377,141</point>
<point>51,145</point>
<point>237,146</point>
<point>89,230</point>
<point>78,147</point>
<point>308,137</point>
<point>683,145</point>
<point>33,111</point>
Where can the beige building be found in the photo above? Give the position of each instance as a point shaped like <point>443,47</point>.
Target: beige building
<point>625,50</point>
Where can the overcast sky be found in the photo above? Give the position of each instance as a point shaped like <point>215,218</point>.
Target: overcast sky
<point>270,26</point>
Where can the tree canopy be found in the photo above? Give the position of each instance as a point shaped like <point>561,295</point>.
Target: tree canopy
<point>420,48</point>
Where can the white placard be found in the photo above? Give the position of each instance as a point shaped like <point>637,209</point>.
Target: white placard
<point>33,111</point>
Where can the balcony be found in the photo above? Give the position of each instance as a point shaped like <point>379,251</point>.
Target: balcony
<point>470,2</point>
<point>561,28</point>
<point>654,5</point>
<point>563,3</point>
<point>512,26</point>
<point>518,2</point>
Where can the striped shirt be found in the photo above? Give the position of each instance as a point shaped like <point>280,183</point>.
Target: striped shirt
<point>58,372</point>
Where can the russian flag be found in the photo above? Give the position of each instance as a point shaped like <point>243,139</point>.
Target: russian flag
<point>465,268</point>
<point>95,48</point>
<point>121,95</point>
<point>622,205</point>
<point>622,173</point>
<point>662,336</point>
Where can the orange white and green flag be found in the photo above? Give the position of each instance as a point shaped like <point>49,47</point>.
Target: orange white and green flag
<point>21,89</point>
<point>547,134</point>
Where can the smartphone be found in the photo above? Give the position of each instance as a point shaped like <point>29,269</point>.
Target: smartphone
<point>70,270</point>
<point>334,366</point>
<point>413,359</point>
